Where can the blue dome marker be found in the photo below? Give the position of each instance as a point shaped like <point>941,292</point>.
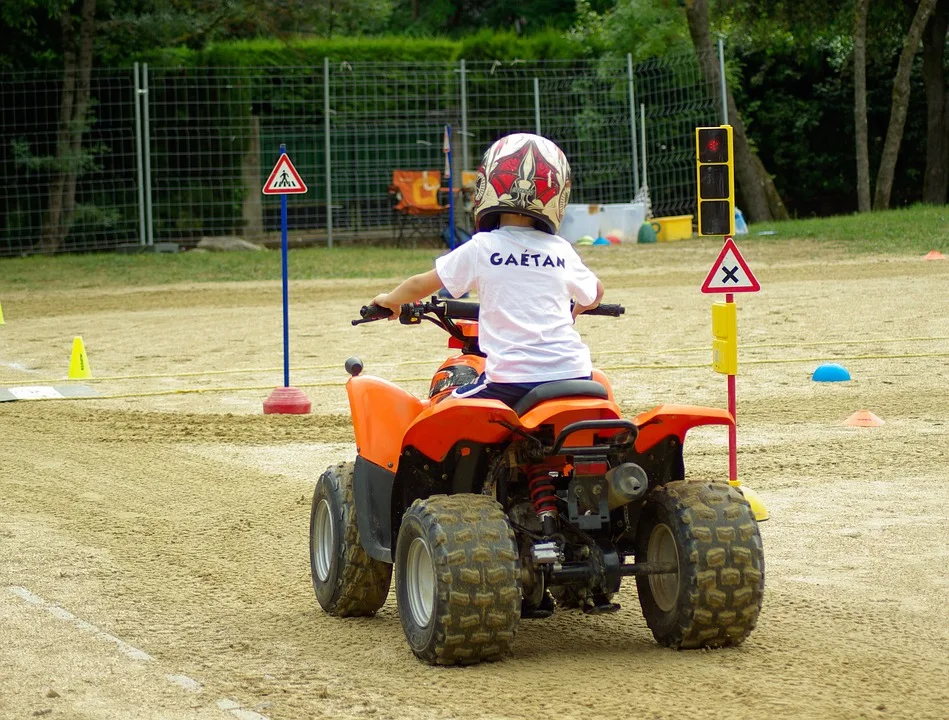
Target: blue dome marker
<point>831,372</point>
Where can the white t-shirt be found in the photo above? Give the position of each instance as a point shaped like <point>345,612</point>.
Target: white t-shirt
<point>525,279</point>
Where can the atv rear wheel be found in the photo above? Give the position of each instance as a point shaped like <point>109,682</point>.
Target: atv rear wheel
<point>457,579</point>
<point>347,581</point>
<point>709,531</point>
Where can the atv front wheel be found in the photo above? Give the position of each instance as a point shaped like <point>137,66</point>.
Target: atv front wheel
<point>457,579</point>
<point>347,581</point>
<point>709,532</point>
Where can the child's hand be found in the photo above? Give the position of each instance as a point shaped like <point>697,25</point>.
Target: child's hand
<point>382,300</point>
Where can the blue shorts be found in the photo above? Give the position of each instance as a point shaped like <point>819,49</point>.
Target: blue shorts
<point>508,393</point>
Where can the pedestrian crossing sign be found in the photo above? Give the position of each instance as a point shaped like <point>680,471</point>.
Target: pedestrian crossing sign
<point>284,180</point>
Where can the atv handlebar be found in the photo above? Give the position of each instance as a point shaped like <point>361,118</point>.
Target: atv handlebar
<point>606,309</point>
<point>411,313</point>
<point>368,313</point>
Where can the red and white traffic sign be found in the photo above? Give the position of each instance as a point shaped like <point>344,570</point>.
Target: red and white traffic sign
<point>284,180</point>
<point>730,273</point>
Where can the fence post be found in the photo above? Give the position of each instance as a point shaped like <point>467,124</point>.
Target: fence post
<point>464,117</point>
<point>138,154</point>
<point>328,146</point>
<point>642,128</point>
<point>147,143</point>
<point>537,105</point>
<point>721,71</point>
<point>632,121</point>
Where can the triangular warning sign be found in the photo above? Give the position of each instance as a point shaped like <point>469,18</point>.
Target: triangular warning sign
<point>730,273</point>
<point>284,180</point>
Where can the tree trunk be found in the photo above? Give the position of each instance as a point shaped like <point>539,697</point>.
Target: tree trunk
<point>74,104</point>
<point>52,233</point>
<point>936,177</point>
<point>900,106</point>
<point>761,198</point>
<point>80,123</point>
<point>860,103</point>
<point>250,172</point>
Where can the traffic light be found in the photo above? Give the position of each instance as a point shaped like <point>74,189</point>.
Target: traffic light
<point>716,180</point>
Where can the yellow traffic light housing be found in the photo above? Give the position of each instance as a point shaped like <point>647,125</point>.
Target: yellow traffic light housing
<point>716,180</point>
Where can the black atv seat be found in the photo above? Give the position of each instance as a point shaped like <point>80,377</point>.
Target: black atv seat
<point>560,389</point>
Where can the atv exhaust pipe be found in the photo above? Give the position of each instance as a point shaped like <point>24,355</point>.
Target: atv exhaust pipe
<point>627,483</point>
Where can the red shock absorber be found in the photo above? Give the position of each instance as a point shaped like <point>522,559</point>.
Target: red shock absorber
<point>542,490</point>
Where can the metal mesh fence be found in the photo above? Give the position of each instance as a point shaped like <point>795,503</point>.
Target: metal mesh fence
<point>177,154</point>
<point>66,186</point>
<point>675,100</point>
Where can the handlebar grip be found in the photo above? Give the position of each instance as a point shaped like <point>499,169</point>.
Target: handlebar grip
<point>606,309</point>
<point>374,312</point>
<point>460,310</point>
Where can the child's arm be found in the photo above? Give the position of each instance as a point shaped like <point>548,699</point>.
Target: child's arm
<point>578,308</point>
<point>410,290</point>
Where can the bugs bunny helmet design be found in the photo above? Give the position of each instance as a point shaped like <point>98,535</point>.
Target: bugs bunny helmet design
<point>524,174</point>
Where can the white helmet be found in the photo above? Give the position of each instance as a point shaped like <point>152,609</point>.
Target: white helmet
<point>523,174</point>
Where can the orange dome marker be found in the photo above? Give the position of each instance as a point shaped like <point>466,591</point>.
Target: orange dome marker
<point>863,418</point>
<point>934,255</point>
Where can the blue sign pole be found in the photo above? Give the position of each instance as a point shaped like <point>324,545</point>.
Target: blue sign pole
<point>285,179</point>
<point>286,291</point>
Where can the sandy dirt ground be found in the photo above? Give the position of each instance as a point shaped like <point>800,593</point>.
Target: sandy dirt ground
<point>153,541</point>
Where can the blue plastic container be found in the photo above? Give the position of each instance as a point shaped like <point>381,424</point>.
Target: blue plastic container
<point>831,372</point>
<point>741,227</point>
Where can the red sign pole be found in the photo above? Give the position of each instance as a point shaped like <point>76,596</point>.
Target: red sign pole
<point>730,274</point>
<point>733,428</point>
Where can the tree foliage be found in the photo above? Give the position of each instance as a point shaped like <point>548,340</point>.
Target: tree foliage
<point>464,17</point>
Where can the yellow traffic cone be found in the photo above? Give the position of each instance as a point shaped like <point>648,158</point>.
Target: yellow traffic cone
<point>79,363</point>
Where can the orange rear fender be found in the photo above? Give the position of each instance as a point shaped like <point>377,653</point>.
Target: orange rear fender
<point>665,420</point>
<point>562,411</point>
<point>600,377</point>
<point>382,412</point>
<point>442,424</point>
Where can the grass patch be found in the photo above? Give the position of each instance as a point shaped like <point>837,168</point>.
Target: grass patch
<point>909,231</point>
<point>116,270</point>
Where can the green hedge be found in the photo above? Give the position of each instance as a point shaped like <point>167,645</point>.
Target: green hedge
<point>485,45</point>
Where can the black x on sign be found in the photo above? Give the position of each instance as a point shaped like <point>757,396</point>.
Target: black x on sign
<point>730,273</point>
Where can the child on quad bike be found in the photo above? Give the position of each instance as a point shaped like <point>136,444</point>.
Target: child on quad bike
<point>486,509</point>
<point>526,275</point>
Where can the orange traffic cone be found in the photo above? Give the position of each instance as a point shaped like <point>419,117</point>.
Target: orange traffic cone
<point>863,418</point>
<point>934,255</point>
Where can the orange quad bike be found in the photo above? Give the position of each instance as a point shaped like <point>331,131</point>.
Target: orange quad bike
<point>490,514</point>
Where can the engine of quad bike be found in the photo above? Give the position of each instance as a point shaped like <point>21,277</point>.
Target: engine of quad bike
<point>566,522</point>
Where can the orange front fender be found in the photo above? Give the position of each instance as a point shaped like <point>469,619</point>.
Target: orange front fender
<point>382,412</point>
<point>665,420</point>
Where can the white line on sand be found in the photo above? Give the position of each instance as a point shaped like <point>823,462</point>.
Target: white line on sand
<point>17,366</point>
<point>183,681</point>
<point>62,614</point>
<point>239,712</point>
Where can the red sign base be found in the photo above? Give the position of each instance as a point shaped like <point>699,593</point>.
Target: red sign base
<point>287,401</point>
